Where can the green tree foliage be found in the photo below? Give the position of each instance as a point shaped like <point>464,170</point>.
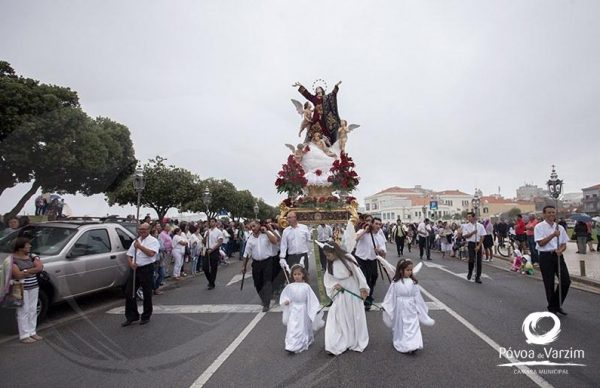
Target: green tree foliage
<point>24,103</point>
<point>166,187</point>
<point>51,142</point>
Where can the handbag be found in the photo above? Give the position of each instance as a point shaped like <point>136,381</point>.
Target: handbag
<point>14,298</point>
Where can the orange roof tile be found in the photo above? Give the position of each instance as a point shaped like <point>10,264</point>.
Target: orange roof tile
<point>451,192</point>
<point>595,187</point>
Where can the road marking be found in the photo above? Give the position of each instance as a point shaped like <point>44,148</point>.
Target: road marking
<point>222,309</point>
<point>524,369</point>
<point>207,374</point>
<point>460,275</point>
<point>238,278</point>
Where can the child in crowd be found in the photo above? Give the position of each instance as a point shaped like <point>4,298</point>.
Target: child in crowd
<point>300,308</point>
<point>404,308</point>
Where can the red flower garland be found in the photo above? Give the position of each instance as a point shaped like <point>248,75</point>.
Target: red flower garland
<point>343,177</point>
<point>290,178</point>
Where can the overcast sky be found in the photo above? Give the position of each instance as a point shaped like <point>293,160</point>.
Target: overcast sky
<point>449,94</point>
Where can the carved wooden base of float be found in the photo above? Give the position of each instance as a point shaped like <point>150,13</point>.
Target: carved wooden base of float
<point>314,216</point>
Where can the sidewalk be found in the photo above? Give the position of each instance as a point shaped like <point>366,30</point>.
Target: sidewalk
<point>573,261</point>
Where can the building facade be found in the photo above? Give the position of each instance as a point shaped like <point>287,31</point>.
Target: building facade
<point>591,199</point>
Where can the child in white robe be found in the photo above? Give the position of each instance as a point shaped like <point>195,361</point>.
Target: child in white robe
<point>404,309</point>
<point>346,326</point>
<point>300,307</point>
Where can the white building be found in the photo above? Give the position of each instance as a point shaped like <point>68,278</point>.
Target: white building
<point>528,192</point>
<point>414,204</point>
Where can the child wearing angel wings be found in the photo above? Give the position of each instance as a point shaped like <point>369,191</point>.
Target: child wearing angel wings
<point>300,311</point>
<point>404,309</point>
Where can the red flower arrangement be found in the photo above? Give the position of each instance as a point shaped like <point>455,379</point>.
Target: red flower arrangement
<point>291,178</point>
<point>343,177</point>
<point>318,172</point>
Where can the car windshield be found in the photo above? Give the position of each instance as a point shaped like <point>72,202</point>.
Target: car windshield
<point>45,240</point>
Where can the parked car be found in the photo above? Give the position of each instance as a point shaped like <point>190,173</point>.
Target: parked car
<point>79,257</point>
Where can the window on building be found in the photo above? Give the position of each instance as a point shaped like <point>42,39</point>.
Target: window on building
<point>485,210</point>
<point>368,206</point>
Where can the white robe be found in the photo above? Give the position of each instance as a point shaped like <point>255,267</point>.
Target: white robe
<point>346,326</point>
<point>300,316</point>
<point>404,308</point>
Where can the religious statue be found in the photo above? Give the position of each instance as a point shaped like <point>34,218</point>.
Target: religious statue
<point>325,117</point>
<point>343,131</point>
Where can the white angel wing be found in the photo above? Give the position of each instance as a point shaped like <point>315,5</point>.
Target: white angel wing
<point>298,106</point>
<point>390,269</point>
<point>352,127</point>
<point>291,147</point>
<point>417,268</point>
<point>349,238</point>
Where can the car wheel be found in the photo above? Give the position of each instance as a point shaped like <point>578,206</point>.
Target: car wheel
<point>42,305</point>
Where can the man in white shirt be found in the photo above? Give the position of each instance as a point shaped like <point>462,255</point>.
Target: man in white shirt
<point>294,243</point>
<point>259,248</point>
<point>551,241</point>
<point>370,243</point>
<point>141,256</point>
<point>423,231</point>
<point>474,232</point>
<point>324,234</point>
<point>214,238</point>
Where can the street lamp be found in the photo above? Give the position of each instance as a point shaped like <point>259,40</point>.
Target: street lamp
<point>476,201</point>
<point>256,209</point>
<point>207,198</point>
<point>139,183</point>
<point>555,186</point>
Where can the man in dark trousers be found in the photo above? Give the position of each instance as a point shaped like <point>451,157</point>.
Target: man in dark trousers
<point>259,248</point>
<point>214,239</point>
<point>141,254</point>
<point>474,232</point>
<point>399,237</point>
<point>551,240</point>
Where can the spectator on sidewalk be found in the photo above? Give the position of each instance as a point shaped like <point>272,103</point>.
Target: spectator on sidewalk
<point>590,239</point>
<point>597,233</point>
<point>520,232</point>
<point>581,234</point>
<point>529,227</point>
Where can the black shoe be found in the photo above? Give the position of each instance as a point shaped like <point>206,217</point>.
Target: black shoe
<point>477,280</point>
<point>127,322</point>
<point>561,311</point>
<point>210,287</point>
<point>144,321</point>
<point>265,309</point>
<point>468,276</point>
<point>429,258</point>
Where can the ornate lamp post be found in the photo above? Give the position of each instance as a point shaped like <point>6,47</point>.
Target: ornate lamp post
<point>256,209</point>
<point>207,198</point>
<point>139,183</point>
<point>476,201</point>
<point>555,186</point>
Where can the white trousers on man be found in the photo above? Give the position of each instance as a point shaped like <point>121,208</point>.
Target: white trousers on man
<point>178,256</point>
<point>27,314</point>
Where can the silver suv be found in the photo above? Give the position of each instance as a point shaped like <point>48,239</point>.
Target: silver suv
<point>79,257</point>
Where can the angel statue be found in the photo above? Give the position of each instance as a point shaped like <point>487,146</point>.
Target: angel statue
<point>343,131</point>
<point>306,111</point>
<point>298,151</point>
<point>325,117</point>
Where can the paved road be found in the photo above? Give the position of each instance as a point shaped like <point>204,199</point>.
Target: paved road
<point>191,340</point>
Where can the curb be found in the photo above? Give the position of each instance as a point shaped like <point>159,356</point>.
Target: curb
<point>574,278</point>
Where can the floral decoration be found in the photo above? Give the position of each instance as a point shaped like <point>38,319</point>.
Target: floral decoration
<point>290,179</point>
<point>343,177</point>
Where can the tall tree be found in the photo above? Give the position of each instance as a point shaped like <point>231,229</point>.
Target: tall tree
<point>24,103</point>
<point>77,154</point>
<point>166,187</point>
